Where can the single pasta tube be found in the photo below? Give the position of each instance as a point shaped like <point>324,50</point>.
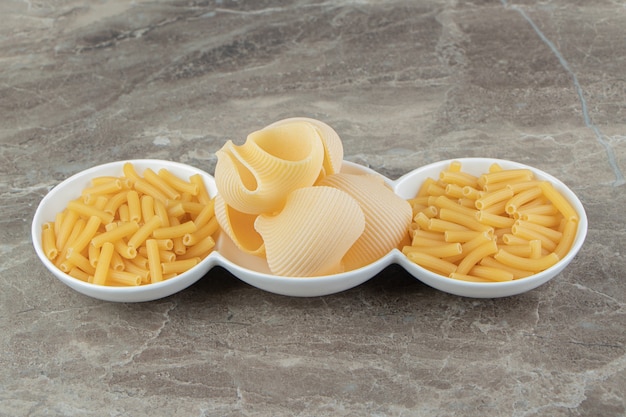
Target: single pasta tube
<point>559,201</point>
<point>432,262</point>
<point>147,207</point>
<point>102,266</point>
<point>177,183</point>
<point>174,231</point>
<point>48,240</point>
<point>154,261</point>
<point>116,233</point>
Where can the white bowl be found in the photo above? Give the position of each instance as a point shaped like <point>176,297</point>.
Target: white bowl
<point>407,187</point>
<point>56,200</point>
<point>254,270</point>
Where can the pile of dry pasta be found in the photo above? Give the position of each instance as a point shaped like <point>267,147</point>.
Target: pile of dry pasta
<point>133,229</point>
<point>499,226</point>
<point>283,197</point>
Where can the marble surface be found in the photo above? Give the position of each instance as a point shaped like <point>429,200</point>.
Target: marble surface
<point>405,83</point>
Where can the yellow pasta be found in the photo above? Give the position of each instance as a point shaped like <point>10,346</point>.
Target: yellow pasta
<point>178,183</point>
<point>440,250</point>
<point>460,235</point>
<point>154,261</point>
<point>387,217</point>
<point>81,262</point>
<point>124,278</point>
<point>517,273</point>
<point>256,177</point>
<point>459,178</point>
<point>65,228</point>
<point>330,221</point>
<point>48,241</point>
<point>144,232</point>
<point>196,236</point>
<point>507,175</point>
<point>179,266</point>
<point>120,231</point>
<point>567,238</point>
<point>432,262</point>
<point>424,234</point>
<point>491,273</point>
<point>202,194</point>
<point>175,231</point>
<point>530,264</point>
<point>145,187</point>
<point>97,241</point>
<point>509,225</point>
<point>468,221</point>
<point>492,198</point>
<point>559,201</point>
<point>130,172</point>
<point>88,211</point>
<point>161,211</point>
<point>443,202</point>
<point>82,240</point>
<point>115,202</point>
<point>522,198</point>
<point>162,185</point>
<point>103,263</point>
<point>200,249</point>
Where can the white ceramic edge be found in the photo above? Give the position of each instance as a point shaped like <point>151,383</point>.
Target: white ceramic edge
<point>307,286</point>
<point>406,187</point>
<point>119,294</point>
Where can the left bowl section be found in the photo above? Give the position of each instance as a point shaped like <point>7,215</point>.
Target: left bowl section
<point>59,197</point>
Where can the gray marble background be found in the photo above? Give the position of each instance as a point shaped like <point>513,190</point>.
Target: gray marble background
<point>404,83</point>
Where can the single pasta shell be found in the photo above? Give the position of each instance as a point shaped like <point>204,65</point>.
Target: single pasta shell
<point>333,148</point>
<point>239,227</point>
<point>257,176</point>
<point>387,217</point>
<point>317,226</point>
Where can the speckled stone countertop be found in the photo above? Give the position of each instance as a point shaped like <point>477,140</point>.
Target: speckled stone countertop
<point>404,83</point>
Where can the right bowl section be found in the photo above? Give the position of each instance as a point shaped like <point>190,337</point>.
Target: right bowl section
<point>489,227</point>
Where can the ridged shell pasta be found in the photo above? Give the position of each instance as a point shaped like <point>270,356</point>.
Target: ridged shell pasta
<point>333,148</point>
<point>310,236</point>
<point>239,227</point>
<point>387,217</point>
<point>257,176</point>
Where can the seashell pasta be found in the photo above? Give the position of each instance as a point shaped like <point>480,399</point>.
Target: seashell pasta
<point>282,196</point>
<point>239,227</point>
<point>257,176</point>
<point>333,148</point>
<point>312,233</point>
<point>387,216</point>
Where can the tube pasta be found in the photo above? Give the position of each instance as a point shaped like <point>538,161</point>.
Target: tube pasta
<point>162,185</point>
<point>509,226</point>
<point>175,231</point>
<point>147,207</point>
<point>116,233</point>
<point>177,183</point>
<point>48,240</point>
<point>99,243</point>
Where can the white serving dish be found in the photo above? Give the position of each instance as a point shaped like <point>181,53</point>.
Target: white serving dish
<point>254,270</point>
